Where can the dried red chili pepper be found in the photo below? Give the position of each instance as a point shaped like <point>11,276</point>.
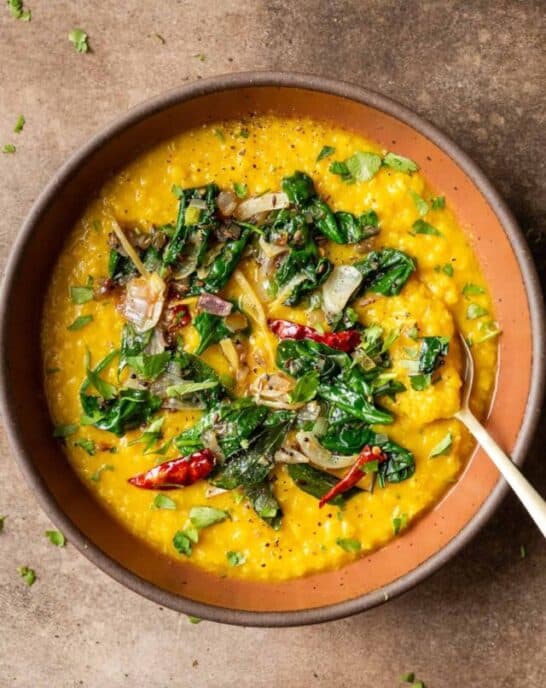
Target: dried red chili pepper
<point>180,472</point>
<point>345,341</point>
<point>355,473</point>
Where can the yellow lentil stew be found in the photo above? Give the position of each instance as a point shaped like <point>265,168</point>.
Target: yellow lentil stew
<point>250,346</point>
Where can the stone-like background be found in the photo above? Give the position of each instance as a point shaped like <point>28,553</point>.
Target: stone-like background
<point>476,69</point>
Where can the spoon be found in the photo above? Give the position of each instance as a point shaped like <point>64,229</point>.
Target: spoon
<point>529,497</point>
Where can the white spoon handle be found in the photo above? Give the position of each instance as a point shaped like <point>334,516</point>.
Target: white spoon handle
<point>530,498</point>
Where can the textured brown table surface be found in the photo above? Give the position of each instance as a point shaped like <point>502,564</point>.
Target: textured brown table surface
<point>475,69</point>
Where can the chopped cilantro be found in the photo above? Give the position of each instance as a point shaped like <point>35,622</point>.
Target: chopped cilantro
<point>241,190</point>
<point>235,558</point>
<point>349,545</point>
<point>399,522</point>
<point>420,381</point>
<point>81,321</point>
<point>79,40</point>
<point>475,311</point>
<point>363,166</point>
<point>400,163</point>
<point>205,516</point>
<point>19,125</point>
<point>18,11</point>
<point>443,446</point>
<point>409,677</point>
<point>161,501</point>
<point>194,619</point>
<point>243,133</point>
<point>27,574</point>
<point>9,149</point>
<point>97,474</point>
<point>81,295</point>
<point>325,152</point>
<point>422,227</point>
<point>64,430</point>
<point>420,203</point>
<point>219,135</point>
<point>56,538</point>
<point>438,203</point>
<point>447,269</point>
<point>86,444</point>
<point>472,289</point>
<point>2,519</point>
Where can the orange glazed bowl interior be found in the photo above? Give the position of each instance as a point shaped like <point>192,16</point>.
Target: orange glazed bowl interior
<point>417,552</point>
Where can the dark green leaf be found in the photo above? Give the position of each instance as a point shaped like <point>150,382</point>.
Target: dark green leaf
<point>385,271</point>
<point>438,203</point>
<point>133,343</point>
<point>432,353</point>
<point>306,388</point>
<point>399,522</point>
<point>265,503</point>
<point>2,519</point>
<point>299,188</point>
<point>317,483</point>
<point>149,366</point>
<point>183,540</point>
<point>340,168</point>
<point>211,329</point>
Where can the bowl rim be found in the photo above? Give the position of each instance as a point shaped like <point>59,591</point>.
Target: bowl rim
<point>227,82</point>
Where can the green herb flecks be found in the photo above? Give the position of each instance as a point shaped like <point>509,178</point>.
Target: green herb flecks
<point>326,152</point>
<point>443,447</point>
<point>19,125</point>
<point>87,445</point>
<point>205,516</point>
<point>2,520</point>
<point>438,203</point>
<point>97,474</point>
<point>422,227</point>
<point>18,11</point>
<point>472,290</point>
<point>27,574</point>
<point>475,311</point>
<point>419,202</point>
<point>61,431</point>
<point>56,538</point>
<point>162,502</point>
<point>80,322</point>
<point>400,163</point>
<point>399,522</point>
<point>79,295</point>
<point>241,190</point>
<point>349,545</point>
<point>79,40</point>
<point>8,149</point>
<point>235,558</point>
